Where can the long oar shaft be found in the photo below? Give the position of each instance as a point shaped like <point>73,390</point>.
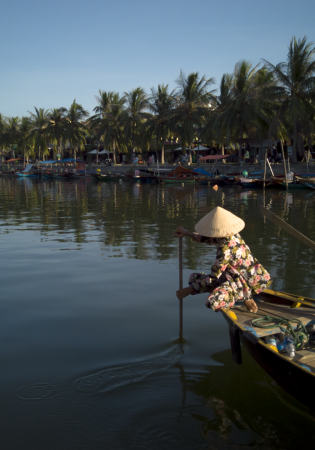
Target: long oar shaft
<point>180,287</point>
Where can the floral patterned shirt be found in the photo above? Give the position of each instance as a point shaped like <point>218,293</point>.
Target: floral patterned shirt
<point>235,268</point>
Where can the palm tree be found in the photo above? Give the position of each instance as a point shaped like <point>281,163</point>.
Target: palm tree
<point>214,130</point>
<point>99,120</point>
<point>240,116</point>
<point>297,81</point>
<point>161,104</point>
<point>111,126</point>
<point>11,132</point>
<point>56,128</point>
<point>26,141</point>
<point>3,125</point>
<point>76,130</point>
<point>134,114</point>
<point>193,99</point>
<point>39,121</point>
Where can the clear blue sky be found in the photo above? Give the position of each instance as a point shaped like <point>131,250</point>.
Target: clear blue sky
<point>54,52</point>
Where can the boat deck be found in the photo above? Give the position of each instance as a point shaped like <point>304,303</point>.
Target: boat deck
<point>304,314</point>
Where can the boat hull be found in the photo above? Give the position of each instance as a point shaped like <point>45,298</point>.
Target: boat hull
<point>172,180</point>
<point>288,374</point>
<point>210,181</point>
<point>310,185</point>
<point>105,178</point>
<point>26,175</point>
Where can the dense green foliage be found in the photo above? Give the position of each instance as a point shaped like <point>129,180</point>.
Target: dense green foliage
<point>275,102</point>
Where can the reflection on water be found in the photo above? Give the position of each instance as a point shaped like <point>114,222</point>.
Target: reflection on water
<point>88,318</point>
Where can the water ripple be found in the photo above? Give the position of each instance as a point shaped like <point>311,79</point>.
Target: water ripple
<point>114,377</point>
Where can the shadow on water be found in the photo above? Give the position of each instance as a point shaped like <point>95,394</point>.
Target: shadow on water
<point>242,407</point>
<point>142,406</point>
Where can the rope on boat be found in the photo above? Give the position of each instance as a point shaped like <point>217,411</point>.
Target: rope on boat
<point>283,323</point>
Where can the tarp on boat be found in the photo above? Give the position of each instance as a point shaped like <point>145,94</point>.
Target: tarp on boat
<point>180,170</point>
<point>27,168</point>
<point>50,161</point>
<point>70,160</point>
<point>203,172</point>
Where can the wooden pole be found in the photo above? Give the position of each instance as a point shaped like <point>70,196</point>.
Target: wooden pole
<point>285,226</point>
<point>285,167</point>
<point>181,287</point>
<point>270,168</point>
<point>265,167</point>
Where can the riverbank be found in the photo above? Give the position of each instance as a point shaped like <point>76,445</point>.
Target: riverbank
<point>222,168</point>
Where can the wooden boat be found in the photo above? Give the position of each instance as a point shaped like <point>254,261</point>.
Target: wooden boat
<point>179,175</point>
<point>295,375</point>
<point>56,174</point>
<point>310,185</point>
<point>106,176</point>
<point>8,173</point>
<point>306,180</point>
<point>251,182</point>
<point>279,181</point>
<point>27,172</point>
<point>183,179</point>
<point>231,178</point>
<point>210,180</point>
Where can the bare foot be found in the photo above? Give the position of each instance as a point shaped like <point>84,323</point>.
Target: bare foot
<point>251,305</point>
<point>182,293</point>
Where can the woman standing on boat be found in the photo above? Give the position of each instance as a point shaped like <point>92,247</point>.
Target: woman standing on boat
<point>236,275</point>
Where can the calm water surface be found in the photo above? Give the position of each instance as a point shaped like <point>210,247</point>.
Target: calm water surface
<point>89,320</point>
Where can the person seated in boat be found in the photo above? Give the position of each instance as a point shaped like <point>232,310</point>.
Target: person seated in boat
<point>236,275</point>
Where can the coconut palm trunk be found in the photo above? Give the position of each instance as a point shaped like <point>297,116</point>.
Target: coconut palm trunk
<point>294,147</point>
<point>309,138</point>
<point>241,139</point>
<point>162,154</point>
<point>97,152</point>
<point>114,151</point>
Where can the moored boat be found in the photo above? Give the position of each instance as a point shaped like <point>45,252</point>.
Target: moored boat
<point>210,181</point>
<point>27,172</point>
<point>179,175</point>
<point>106,176</point>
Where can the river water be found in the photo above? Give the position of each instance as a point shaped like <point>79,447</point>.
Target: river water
<point>89,319</point>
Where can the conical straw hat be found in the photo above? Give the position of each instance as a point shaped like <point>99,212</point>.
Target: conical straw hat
<point>219,223</point>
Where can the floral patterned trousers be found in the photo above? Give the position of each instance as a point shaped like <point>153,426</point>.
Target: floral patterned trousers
<point>222,295</point>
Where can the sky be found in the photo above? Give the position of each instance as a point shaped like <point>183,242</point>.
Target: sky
<point>54,52</point>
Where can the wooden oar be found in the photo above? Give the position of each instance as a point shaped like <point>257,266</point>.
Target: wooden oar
<point>181,287</point>
<point>285,226</point>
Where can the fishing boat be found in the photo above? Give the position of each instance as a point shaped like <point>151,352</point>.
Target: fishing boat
<point>106,176</point>
<point>210,180</point>
<point>309,182</point>
<point>231,178</point>
<point>278,314</point>
<point>8,172</point>
<point>293,183</point>
<point>27,172</point>
<point>250,182</point>
<point>179,175</point>
<point>310,185</point>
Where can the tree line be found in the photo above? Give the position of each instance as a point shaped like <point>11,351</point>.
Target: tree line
<point>265,101</point>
